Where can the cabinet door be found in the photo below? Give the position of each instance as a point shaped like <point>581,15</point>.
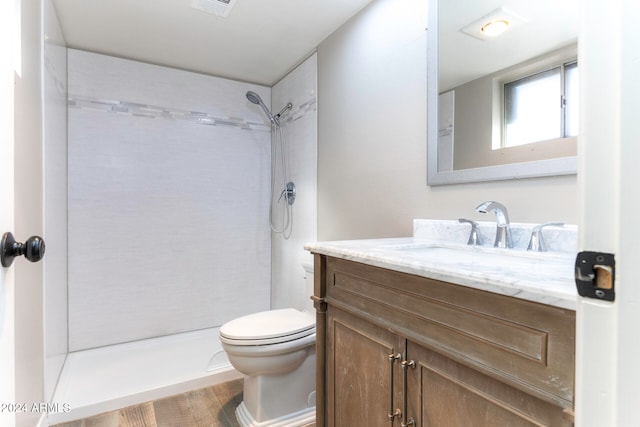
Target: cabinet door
<point>443,392</point>
<point>358,371</point>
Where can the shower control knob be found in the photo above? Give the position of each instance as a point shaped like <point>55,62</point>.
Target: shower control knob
<point>32,249</point>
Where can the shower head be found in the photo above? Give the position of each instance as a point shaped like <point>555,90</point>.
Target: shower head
<point>255,98</point>
<point>275,120</point>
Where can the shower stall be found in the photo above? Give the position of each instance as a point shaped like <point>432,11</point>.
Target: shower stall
<point>169,236</point>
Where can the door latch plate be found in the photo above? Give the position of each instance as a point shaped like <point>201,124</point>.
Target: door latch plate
<point>595,275</point>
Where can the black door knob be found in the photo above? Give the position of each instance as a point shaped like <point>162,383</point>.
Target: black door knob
<point>32,249</point>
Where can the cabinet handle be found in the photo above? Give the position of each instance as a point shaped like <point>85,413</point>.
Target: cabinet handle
<point>392,414</point>
<point>405,366</point>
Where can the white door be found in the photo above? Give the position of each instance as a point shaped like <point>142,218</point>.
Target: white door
<point>7,327</point>
<point>21,212</point>
<point>608,334</point>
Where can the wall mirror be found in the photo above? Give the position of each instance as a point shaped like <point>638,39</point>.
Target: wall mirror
<point>477,102</point>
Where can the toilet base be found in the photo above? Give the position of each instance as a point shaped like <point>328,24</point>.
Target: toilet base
<point>297,419</point>
<point>273,397</point>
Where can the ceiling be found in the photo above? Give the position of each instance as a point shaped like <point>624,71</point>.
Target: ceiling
<point>260,41</point>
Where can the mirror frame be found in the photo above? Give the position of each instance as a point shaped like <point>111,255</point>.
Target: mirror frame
<point>539,168</point>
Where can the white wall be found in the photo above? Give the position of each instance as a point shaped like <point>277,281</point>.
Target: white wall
<point>299,128</point>
<point>168,201</point>
<point>55,197</point>
<point>372,136</point>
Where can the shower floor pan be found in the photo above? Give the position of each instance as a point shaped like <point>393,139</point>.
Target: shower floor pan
<point>108,378</point>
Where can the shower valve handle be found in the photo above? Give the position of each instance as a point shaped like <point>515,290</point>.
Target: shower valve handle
<point>289,193</point>
<point>282,195</point>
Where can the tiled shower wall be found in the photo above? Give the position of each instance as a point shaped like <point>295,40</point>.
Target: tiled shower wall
<point>299,129</point>
<point>168,201</point>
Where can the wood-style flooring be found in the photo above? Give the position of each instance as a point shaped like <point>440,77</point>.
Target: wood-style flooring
<point>208,407</point>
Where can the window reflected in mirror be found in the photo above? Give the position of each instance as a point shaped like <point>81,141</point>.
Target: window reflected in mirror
<point>526,112</point>
<point>541,107</point>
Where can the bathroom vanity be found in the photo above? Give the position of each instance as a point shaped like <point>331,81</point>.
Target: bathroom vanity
<point>413,336</point>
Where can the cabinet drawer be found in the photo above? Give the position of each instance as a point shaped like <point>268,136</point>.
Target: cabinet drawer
<point>527,345</point>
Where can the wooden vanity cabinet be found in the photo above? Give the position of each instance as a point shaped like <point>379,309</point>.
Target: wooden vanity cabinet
<point>472,358</point>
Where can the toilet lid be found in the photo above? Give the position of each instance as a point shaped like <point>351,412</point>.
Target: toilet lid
<point>268,327</point>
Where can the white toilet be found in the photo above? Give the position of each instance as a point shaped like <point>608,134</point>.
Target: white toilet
<point>275,350</point>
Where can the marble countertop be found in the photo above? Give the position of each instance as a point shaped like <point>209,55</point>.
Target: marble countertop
<point>546,278</point>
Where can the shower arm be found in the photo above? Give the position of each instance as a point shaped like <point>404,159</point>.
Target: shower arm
<point>289,106</point>
<point>276,118</point>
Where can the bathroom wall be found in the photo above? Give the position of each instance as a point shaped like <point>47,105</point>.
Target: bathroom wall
<point>372,136</point>
<point>300,134</point>
<point>55,197</point>
<point>168,201</point>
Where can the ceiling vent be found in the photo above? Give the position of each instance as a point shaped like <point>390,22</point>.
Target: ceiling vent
<point>215,7</point>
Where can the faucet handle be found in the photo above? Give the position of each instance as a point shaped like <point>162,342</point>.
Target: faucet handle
<point>536,242</point>
<point>474,237</point>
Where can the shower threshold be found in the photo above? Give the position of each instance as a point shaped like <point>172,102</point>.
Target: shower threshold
<point>108,378</point>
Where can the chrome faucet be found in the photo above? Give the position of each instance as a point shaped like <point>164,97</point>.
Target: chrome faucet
<point>474,236</point>
<point>536,242</point>
<point>503,229</point>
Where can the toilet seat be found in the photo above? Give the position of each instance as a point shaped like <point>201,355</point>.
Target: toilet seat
<point>268,327</point>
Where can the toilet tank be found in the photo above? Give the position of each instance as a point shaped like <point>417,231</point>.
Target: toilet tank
<point>308,286</point>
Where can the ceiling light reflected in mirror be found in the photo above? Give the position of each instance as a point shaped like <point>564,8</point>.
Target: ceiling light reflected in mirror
<point>493,24</point>
<point>495,28</point>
